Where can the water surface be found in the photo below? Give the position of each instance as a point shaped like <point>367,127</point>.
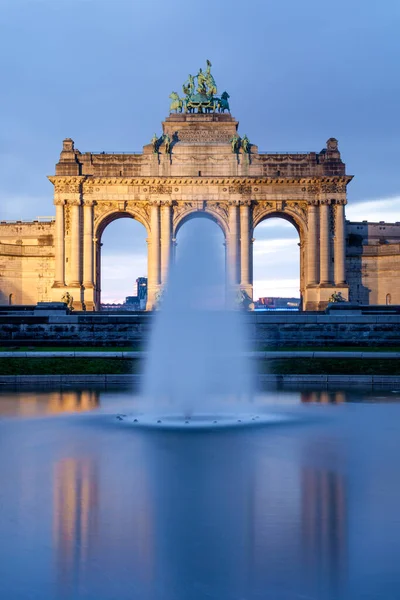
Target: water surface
<point>93,510</point>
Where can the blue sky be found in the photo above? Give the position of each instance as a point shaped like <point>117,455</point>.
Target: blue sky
<point>101,71</point>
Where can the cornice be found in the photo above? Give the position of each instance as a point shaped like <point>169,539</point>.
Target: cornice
<point>92,181</point>
<point>67,179</point>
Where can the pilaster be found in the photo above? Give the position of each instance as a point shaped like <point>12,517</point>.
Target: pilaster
<point>232,244</point>
<point>166,239</point>
<point>153,255</point>
<point>246,257</point>
<point>59,281</point>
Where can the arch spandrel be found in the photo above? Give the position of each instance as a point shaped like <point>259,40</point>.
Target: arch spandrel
<point>183,213</point>
<point>295,213</point>
<point>113,213</point>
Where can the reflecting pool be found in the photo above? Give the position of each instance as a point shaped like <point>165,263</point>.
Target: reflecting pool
<point>93,510</point>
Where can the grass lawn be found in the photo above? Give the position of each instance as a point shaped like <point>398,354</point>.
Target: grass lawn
<point>111,366</point>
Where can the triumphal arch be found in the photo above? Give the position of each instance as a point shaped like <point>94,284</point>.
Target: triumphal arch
<point>200,165</point>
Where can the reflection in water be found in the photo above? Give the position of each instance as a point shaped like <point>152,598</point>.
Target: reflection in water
<point>39,403</point>
<point>100,521</point>
<point>186,521</point>
<point>75,518</point>
<point>277,513</point>
<point>324,527</point>
<point>324,397</point>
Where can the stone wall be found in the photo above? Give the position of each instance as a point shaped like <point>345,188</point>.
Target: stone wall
<point>35,327</point>
<point>26,262</point>
<point>373,262</point>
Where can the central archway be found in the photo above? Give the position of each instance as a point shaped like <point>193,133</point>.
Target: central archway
<point>208,233</point>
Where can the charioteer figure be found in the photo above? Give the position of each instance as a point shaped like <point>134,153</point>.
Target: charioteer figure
<point>200,95</point>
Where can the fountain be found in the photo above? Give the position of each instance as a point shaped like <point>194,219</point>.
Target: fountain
<point>198,372</point>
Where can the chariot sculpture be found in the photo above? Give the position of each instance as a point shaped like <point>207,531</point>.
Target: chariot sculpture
<point>200,95</point>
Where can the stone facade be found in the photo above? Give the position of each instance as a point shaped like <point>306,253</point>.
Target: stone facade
<point>199,176</point>
<point>373,262</point>
<point>26,261</point>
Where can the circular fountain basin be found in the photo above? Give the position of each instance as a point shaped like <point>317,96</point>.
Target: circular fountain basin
<point>204,421</point>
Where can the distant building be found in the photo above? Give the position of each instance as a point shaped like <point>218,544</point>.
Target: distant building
<point>272,303</point>
<point>139,301</point>
<point>141,283</point>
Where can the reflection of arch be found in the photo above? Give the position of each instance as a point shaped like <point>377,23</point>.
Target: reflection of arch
<point>10,298</point>
<point>388,299</point>
<point>100,224</point>
<point>188,215</point>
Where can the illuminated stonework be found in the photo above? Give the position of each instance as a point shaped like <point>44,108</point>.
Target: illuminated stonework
<point>199,172</point>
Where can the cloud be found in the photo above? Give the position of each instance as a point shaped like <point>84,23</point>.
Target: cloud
<point>276,287</point>
<point>380,209</point>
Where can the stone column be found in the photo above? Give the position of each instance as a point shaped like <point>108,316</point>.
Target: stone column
<point>312,251</point>
<point>88,243</point>
<point>245,248</point>
<point>153,254</point>
<point>75,268</point>
<point>324,244</point>
<point>166,239</point>
<point>60,245</point>
<point>340,245</point>
<point>232,244</point>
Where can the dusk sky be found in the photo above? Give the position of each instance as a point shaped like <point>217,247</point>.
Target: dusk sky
<point>297,73</point>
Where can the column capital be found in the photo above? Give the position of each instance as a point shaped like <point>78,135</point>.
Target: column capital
<point>245,202</point>
<point>59,202</point>
<point>154,202</point>
<point>233,202</point>
<point>67,184</point>
<point>74,202</point>
<point>166,202</point>
<point>89,202</point>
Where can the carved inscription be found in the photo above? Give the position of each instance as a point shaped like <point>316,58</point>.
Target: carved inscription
<point>205,135</point>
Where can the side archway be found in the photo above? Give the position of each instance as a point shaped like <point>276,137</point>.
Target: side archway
<point>287,277</point>
<point>107,286</point>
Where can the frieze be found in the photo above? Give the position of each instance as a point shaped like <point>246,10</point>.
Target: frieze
<point>160,189</point>
<point>91,181</point>
<point>333,188</point>
<point>240,189</point>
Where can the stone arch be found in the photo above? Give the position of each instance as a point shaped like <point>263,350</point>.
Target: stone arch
<point>300,224</point>
<point>286,213</point>
<point>208,213</point>
<point>104,219</point>
<point>100,224</point>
